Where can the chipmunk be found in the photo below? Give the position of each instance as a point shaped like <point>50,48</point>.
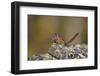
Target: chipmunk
<point>59,40</point>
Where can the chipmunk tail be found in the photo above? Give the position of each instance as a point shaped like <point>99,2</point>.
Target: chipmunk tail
<point>72,38</point>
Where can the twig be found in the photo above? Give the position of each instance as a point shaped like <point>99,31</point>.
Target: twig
<point>53,55</point>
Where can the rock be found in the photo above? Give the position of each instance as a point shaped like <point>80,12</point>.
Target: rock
<point>57,51</point>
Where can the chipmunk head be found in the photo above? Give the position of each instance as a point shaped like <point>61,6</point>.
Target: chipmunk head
<point>57,39</point>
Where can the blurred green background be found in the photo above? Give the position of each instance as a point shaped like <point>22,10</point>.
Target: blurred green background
<point>40,29</point>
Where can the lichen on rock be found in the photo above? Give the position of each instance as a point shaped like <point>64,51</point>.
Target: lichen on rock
<point>57,52</point>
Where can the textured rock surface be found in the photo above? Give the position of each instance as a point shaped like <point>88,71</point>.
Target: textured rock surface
<point>56,52</point>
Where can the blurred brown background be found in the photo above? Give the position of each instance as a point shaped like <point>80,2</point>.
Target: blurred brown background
<point>41,27</point>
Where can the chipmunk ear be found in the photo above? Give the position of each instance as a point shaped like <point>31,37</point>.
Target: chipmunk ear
<point>53,35</point>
